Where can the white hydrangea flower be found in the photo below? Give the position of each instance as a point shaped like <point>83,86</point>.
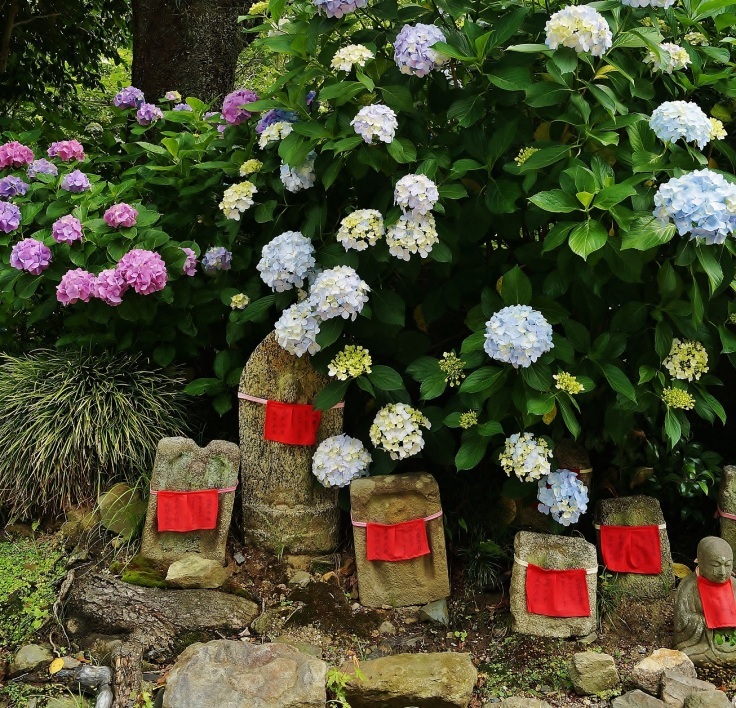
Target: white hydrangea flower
<point>237,199</point>
<point>410,235</point>
<point>717,131</point>
<point>376,121</point>
<point>416,193</point>
<point>297,329</point>
<point>339,460</point>
<point>274,132</point>
<point>338,292</point>
<point>286,261</point>
<point>297,178</point>
<point>687,360</point>
<point>397,429</point>
<point>361,229</point>
<point>675,57</point>
<point>696,38</point>
<point>673,120</point>
<point>526,456</point>
<point>563,496</point>
<point>352,55</point>
<point>517,335</point>
<point>664,4</point>
<point>580,27</point>
<point>249,167</point>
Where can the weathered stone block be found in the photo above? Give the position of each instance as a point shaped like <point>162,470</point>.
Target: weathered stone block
<point>648,673</point>
<point>121,509</point>
<point>708,699</point>
<point>285,509</point>
<point>639,511</point>
<point>727,503</point>
<point>592,673</point>
<point>554,553</point>
<point>637,699</point>
<point>194,571</point>
<point>676,688</point>
<point>391,499</point>
<point>181,465</point>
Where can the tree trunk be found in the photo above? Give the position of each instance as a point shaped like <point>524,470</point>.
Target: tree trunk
<point>190,46</point>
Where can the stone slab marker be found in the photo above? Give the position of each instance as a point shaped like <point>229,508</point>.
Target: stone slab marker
<point>285,509</point>
<point>181,465</point>
<point>639,511</point>
<point>552,553</point>
<point>392,499</point>
<point>727,505</point>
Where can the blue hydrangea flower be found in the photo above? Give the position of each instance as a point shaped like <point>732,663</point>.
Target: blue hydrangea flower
<point>42,167</point>
<point>12,186</point>
<point>518,335</point>
<point>182,107</point>
<point>562,495</point>
<point>215,259</point>
<point>680,119</point>
<point>412,49</point>
<point>275,115</point>
<point>338,8</point>
<point>701,203</point>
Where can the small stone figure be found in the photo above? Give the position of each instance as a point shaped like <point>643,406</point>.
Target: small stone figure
<point>693,636</point>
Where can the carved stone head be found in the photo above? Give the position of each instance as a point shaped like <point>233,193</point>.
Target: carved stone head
<point>715,559</point>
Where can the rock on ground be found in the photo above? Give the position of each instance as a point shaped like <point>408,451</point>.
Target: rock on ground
<point>591,673</point>
<point>676,688</point>
<point>520,702</point>
<point>121,509</point>
<point>647,674</point>
<point>29,658</point>
<point>438,680</point>
<point>194,571</point>
<point>435,612</point>
<point>637,699</point>
<point>239,675</point>
<point>708,699</point>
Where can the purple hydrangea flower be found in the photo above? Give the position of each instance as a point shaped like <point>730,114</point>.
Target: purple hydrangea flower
<point>216,258</point>
<point>9,217</point>
<point>338,8</point>
<point>190,263</point>
<point>67,229</point>
<point>30,255</point>
<point>144,271</point>
<point>67,150</point>
<point>412,49</point>
<point>147,113</point>
<point>310,97</point>
<point>12,186</point>
<point>212,114</point>
<point>75,181</point>
<point>110,286</point>
<point>15,154</point>
<point>231,106</point>
<point>129,97</point>
<point>275,115</point>
<point>75,285</point>
<point>42,167</point>
<point>121,214</point>
<point>182,107</point>
<point>172,96</point>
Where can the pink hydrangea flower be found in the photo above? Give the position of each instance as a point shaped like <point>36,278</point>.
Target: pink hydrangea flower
<point>75,285</point>
<point>190,264</point>
<point>9,217</point>
<point>67,229</point>
<point>231,106</point>
<point>110,286</point>
<point>30,255</point>
<point>67,150</point>
<point>144,271</point>
<point>121,215</point>
<point>15,154</point>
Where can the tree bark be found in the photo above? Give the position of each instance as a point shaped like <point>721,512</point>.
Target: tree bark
<point>190,46</point>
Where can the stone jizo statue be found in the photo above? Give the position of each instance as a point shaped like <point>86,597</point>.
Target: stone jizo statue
<point>706,604</point>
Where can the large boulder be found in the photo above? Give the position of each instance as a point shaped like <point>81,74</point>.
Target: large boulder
<point>193,571</point>
<point>647,674</point>
<point>230,674</point>
<point>637,699</point>
<point>440,680</point>
<point>30,658</point>
<point>591,673</point>
<point>708,699</point>
<point>676,688</point>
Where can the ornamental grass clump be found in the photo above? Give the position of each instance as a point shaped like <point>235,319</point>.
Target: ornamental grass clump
<point>71,423</point>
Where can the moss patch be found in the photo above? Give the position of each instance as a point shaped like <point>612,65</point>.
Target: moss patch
<point>141,571</point>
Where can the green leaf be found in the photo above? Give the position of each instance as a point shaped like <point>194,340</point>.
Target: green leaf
<point>385,378</point>
<point>200,386</point>
<point>568,416</point>
<point>472,450</point>
<point>587,237</point>
<point>516,288</point>
<point>388,307</point>
<point>481,379</point>
<point>615,194</point>
<point>555,201</point>
<point>712,268</point>
<point>164,354</point>
<point>672,427</point>
<point>467,111</point>
<point>222,403</point>
<point>618,381</point>
<point>544,157</point>
<point>433,386</point>
<point>646,232</point>
<point>330,395</point>
<point>330,331</point>
<point>423,367</point>
<point>254,310</point>
<point>402,150</point>
<point>490,428</point>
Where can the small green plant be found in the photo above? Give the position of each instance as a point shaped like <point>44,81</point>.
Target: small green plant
<point>610,595</point>
<point>337,682</point>
<point>725,638</point>
<point>461,635</point>
<point>144,700</point>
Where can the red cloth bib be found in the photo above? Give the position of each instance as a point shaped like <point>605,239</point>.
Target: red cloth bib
<point>557,593</point>
<point>187,511</point>
<point>719,603</point>
<point>631,549</point>
<point>396,542</point>
<point>291,423</point>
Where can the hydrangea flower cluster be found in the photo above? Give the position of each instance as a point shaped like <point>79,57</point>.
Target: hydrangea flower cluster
<point>717,131</point>
<point>216,259</point>
<point>76,285</point>
<point>249,167</point>
<point>237,199</point>
<point>518,335</point>
<point>232,107</point>
<point>75,181</point>
<point>339,460</point>
<point>361,229</point>
<point>701,203</point>
<point>182,107</point>
<point>673,120</point>
<point>297,329</point>
<point>173,96</point>
<point>338,8</point>
<point>295,179</point>
<point>563,496</point>
<point>275,115</point>
<point>239,301</point>
<point>468,420</point>
<point>410,235</point>
<point>675,58</point>
<point>664,4</point>
<point>413,51</point>
<point>416,193</point>
<point>12,186</point>
<point>30,255</point>
<point>110,286</point>
<point>67,229</point>
<point>67,150</point>
<point>190,262</point>
<point>144,271</point>
<point>121,215</point>
<point>10,217</point>
<point>258,8</point>
<point>452,367</point>
<point>148,113</point>
<point>397,429</point>
<point>524,155</point>
<point>526,456</point>
<point>15,154</point>
<point>696,38</point>
<point>42,167</point>
<point>351,362</point>
<point>129,97</point>
<point>338,292</point>
<point>274,132</point>
<point>376,121</point>
<point>352,55</point>
<point>580,27</point>
<point>568,383</point>
<point>687,360</point>
<point>677,398</point>
<point>286,261</point>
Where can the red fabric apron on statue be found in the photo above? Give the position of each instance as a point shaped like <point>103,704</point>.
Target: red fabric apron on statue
<point>397,542</point>
<point>557,593</point>
<point>291,423</point>
<point>632,549</point>
<point>187,511</point>
<point>719,603</point>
